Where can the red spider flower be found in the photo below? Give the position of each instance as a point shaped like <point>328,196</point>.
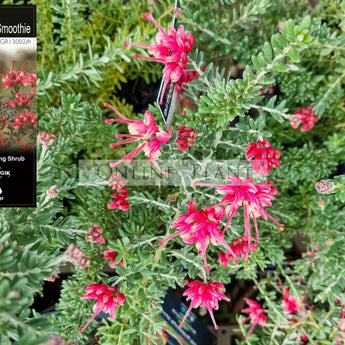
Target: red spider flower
<point>239,247</point>
<point>256,315</point>
<point>171,49</point>
<point>147,131</point>
<point>94,234</point>
<point>185,138</point>
<point>13,78</point>
<point>21,101</point>
<point>306,116</point>
<point>112,254</point>
<point>264,156</point>
<point>30,79</point>
<point>120,201</point>
<point>204,294</point>
<point>291,305</point>
<point>200,227</point>
<point>25,118</point>
<point>108,299</point>
<point>254,197</point>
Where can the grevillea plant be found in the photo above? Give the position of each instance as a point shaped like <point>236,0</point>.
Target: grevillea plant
<point>250,167</point>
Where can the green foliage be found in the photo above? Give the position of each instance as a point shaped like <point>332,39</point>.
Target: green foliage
<point>238,54</point>
<point>225,100</point>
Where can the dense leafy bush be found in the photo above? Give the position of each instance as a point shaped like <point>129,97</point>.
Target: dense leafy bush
<point>265,72</point>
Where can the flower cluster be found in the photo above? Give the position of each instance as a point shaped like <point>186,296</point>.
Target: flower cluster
<point>119,200</point>
<point>254,197</point>
<point>147,132</point>
<point>185,138</point>
<point>25,119</point>
<point>107,300</point>
<point>21,101</point>
<point>256,315</point>
<point>304,116</point>
<point>110,254</point>
<point>204,294</point>
<point>241,248</point>
<point>323,187</point>
<point>171,49</point>
<point>291,305</point>
<point>13,78</point>
<point>94,234</point>
<point>46,139</point>
<point>115,182</point>
<point>200,227</point>
<point>264,157</point>
<point>75,254</point>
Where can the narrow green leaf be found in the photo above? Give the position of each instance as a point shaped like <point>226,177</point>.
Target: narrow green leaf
<point>294,56</point>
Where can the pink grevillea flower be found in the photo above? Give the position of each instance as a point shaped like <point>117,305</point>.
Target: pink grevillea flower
<point>119,201</point>
<point>115,182</point>
<point>74,254</point>
<point>24,119</point>
<point>112,254</point>
<point>46,139</point>
<point>264,156</point>
<point>171,49</point>
<point>200,227</point>
<point>306,116</point>
<point>146,131</point>
<point>94,234</point>
<point>108,299</point>
<point>239,248</point>
<point>13,78</point>
<point>30,79</point>
<point>21,101</point>
<point>185,138</point>
<point>254,197</point>
<point>256,315</point>
<point>204,294</point>
<point>290,304</point>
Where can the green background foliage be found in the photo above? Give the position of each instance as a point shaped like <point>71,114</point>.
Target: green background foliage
<point>238,51</point>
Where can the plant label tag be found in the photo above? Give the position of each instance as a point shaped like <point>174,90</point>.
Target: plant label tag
<point>18,107</point>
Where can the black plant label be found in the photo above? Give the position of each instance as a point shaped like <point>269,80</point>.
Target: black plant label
<point>18,106</point>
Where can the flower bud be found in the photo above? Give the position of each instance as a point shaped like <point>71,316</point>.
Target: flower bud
<point>84,262</point>
<point>323,187</point>
<point>46,139</point>
<point>52,192</point>
<point>94,234</point>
